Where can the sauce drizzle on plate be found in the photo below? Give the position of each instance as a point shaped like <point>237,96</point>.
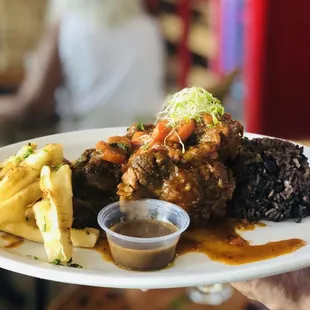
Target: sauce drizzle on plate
<point>12,241</point>
<point>222,243</point>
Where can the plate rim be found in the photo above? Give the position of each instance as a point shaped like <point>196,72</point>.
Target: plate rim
<point>161,279</point>
<point>64,274</point>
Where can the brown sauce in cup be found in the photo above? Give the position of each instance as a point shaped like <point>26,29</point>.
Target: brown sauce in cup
<point>144,256</point>
<point>144,228</point>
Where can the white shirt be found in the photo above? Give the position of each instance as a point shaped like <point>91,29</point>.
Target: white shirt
<point>112,77</point>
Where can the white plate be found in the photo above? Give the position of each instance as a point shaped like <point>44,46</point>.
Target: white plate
<point>188,270</point>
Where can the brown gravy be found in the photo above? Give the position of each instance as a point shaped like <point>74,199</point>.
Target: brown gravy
<point>144,228</point>
<point>143,256</point>
<point>222,244</point>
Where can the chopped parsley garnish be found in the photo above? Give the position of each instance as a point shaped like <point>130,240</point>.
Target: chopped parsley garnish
<point>69,264</point>
<point>74,265</point>
<point>18,160</point>
<point>57,167</point>
<point>29,152</point>
<point>122,146</point>
<point>56,262</point>
<point>44,226</point>
<point>140,127</point>
<point>145,147</point>
<point>34,257</point>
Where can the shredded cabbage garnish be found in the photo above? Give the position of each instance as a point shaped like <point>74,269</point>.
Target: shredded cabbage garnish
<point>188,104</point>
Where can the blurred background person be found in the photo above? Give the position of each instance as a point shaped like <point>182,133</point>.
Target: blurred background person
<point>100,63</point>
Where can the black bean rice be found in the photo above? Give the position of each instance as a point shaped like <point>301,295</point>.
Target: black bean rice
<point>273,181</point>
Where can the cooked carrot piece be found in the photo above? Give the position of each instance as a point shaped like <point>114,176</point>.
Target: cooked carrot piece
<point>139,138</point>
<point>208,119</point>
<point>137,135</point>
<point>109,153</point>
<point>160,132</point>
<point>183,132</point>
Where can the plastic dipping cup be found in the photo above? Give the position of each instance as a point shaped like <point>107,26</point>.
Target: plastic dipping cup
<point>139,253</point>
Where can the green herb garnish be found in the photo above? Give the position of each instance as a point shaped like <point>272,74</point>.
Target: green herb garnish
<point>18,160</point>
<point>122,146</point>
<point>69,264</point>
<point>29,152</point>
<point>56,262</point>
<point>44,226</point>
<point>188,104</point>
<point>145,147</point>
<point>57,167</point>
<point>74,265</point>
<point>140,127</point>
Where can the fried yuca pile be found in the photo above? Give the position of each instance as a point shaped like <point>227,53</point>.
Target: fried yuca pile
<point>36,201</point>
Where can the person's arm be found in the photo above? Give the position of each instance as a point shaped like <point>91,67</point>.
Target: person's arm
<point>290,291</point>
<point>35,96</point>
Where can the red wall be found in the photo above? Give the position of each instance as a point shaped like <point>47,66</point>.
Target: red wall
<point>277,68</point>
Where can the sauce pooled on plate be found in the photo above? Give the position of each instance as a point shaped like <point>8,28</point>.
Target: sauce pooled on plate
<point>222,243</point>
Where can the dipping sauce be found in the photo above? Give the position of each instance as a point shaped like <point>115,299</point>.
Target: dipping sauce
<point>144,255</point>
<point>142,234</point>
<point>144,228</point>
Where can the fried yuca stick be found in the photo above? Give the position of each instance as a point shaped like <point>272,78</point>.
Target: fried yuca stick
<point>84,238</point>
<point>29,216</point>
<point>29,170</point>
<point>54,214</point>
<point>13,209</point>
<point>15,160</point>
<point>78,237</point>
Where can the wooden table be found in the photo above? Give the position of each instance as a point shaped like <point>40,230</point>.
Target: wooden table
<point>91,298</point>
